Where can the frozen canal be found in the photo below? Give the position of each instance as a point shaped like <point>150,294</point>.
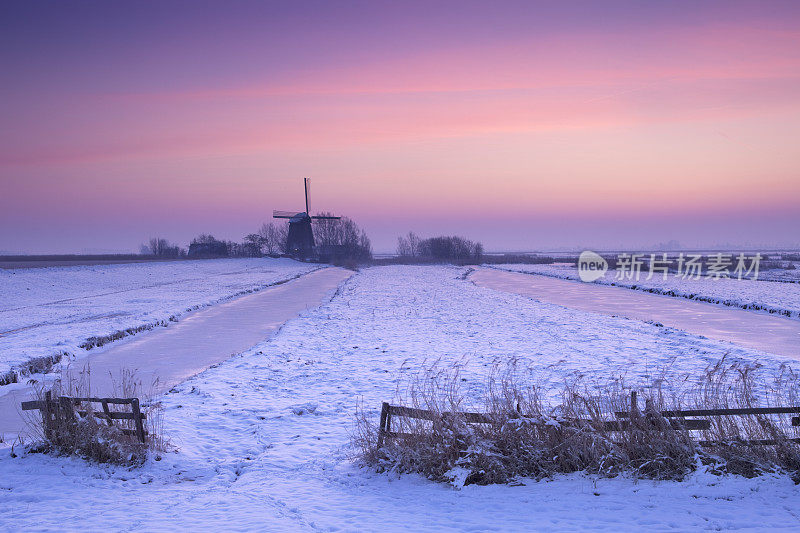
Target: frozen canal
<point>766,333</point>
<point>168,356</point>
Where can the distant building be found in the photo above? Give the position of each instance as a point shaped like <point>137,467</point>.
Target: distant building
<point>208,249</point>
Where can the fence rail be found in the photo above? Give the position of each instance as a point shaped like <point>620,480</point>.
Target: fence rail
<point>670,420</point>
<point>724,412</point>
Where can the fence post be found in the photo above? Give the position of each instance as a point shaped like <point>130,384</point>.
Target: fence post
<point>46,413</point>
<point>634,406</point>
<point>383,426</point>
<point>67,409</point>
<point>137,419</point>
<point>107,412</point>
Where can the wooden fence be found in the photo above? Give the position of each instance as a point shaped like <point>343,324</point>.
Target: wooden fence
<point>64,409</point>
<point>688,420</point>
<point>745,411</point>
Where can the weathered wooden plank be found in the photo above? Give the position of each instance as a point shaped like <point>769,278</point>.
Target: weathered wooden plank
<point>686,425</point>
<point>66,408</point>
<point>137,420</point>
<point>743,442</point>
<point>409,412</point>
<point>32,405</point>
<point>691,425</point>
<point>723,412</point>
<point>387,411</point>
<point>423,414</point>
<point>383,425</point>
<point>111,415</point>
<point>609,426</point>
<point>480,418</point>
<point>46,411</point>
<point>107,412</point>
<point>115,415</point>
<point>116,401</point>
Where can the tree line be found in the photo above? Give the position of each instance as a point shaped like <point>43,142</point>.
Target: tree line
<point>336,239</point>
<point>443,248</point>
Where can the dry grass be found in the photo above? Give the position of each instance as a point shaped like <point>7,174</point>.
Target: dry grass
<point>529,436</point>
<point>90,436</point>
<point>37,365</point>
<point>735,386</point>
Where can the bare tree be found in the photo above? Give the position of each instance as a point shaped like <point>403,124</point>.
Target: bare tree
<point>341,238</point>
<point>205,238</point>
<point>327,232</point>
<point>282,237</point>
<point>161,248</point>
<point>273,238</point>
<point>451,248</point>
<point>445,248</point>
<point>157,245</point>
<point>251,247</point>
<point>264,235</point>
<point>409,246</point>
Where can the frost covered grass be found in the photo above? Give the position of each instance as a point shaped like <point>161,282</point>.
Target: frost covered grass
<point>774,297</point>
<point>49,313</point>
<point>741,386</point>
<point>525,434</point>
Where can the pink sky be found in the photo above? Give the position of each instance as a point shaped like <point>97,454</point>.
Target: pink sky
<point>522,125</point>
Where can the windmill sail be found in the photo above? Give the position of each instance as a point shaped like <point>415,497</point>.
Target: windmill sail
<point>307,182</point>
<point>285,214</point>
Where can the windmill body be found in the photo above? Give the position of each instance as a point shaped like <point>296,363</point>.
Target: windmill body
<point>300,240</point>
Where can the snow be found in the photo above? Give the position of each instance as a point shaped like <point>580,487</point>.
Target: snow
<point>777,297</point>
<point>45,311</point>
<point>263,438</point>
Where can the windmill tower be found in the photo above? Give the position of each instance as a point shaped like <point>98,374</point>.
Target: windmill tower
<point>300,242</point>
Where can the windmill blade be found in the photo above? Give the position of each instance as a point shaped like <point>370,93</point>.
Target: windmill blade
<point>285,214</point>
<point>307,183</point>
<point>325,217</point>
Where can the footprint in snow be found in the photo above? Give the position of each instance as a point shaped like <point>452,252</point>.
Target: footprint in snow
<point>304,409</point>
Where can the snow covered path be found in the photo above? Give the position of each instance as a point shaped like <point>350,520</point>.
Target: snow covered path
<point>168,356</point>
<point>772,334</point>
<point>264,436</point>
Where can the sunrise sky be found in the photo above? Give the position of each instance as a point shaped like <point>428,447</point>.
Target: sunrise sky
<point>525,125</point>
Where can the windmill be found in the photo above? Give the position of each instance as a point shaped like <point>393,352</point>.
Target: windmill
<point>300,242</point>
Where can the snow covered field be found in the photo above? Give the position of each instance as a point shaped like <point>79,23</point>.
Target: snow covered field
<point>47,311</point>
<point>760,295</point>
<point>263,438</point>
